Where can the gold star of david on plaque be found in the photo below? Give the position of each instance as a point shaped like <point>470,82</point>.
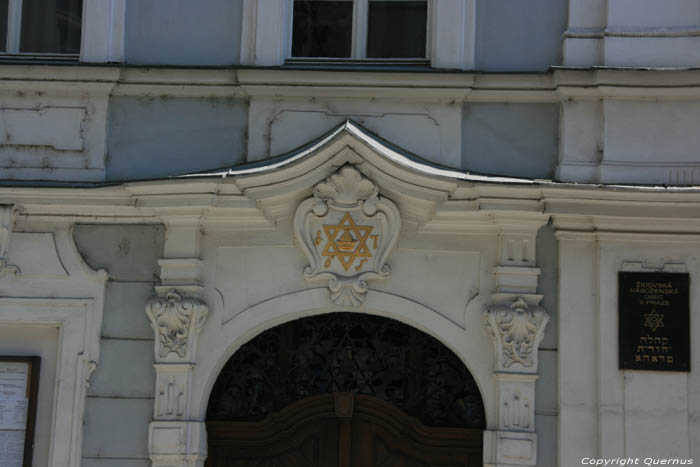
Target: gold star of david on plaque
<point>347,242</point>
<point>653,320</point>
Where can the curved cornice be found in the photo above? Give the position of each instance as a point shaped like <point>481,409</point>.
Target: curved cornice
<point>393,153</point>
<point>416,187</point>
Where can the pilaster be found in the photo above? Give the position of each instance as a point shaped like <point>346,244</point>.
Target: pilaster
<point>177,315</point>
<point>578,328</point>
<point>516,323</point>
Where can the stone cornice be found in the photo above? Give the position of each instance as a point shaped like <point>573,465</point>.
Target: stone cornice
<point>553,86</point>
<point>219,204</point>
<point>430,198</point>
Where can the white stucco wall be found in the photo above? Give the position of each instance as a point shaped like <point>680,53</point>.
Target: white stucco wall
<point>606,412</point>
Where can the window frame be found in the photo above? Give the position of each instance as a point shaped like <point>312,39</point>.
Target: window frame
<point>358,47</point>
<point>14,31</point>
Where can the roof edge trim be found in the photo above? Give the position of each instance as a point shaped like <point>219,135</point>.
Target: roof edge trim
<point>376,143</point>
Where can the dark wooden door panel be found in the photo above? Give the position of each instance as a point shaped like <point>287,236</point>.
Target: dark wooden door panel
<point>306,453</point>
<point>304,434</point>
<point>364,432</point>
<point>384,436</point>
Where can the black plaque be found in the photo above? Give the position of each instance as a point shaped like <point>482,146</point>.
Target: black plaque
<point>654,311</point>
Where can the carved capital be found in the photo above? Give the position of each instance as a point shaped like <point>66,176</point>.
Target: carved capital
<point>176,320</point>
<point>517,330</point>
<point>347,232</point>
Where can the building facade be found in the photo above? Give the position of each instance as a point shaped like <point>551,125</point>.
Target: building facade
<point>194,195</point>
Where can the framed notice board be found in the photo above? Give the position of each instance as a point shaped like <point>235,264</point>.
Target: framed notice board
<point>19,387</point>
<point>654,320</point>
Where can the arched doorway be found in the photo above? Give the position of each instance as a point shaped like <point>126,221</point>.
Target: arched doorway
<point>344,389</point>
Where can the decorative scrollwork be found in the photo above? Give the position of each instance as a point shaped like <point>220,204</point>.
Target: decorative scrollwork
<point>517,330</point>
<point>174,319</point>
<point>347,232</point>
<point>347,352</point>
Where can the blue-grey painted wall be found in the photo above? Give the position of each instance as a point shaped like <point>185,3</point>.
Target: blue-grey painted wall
<point>183,32</point>
<point>517,35</point>
<point>158,137</point>
<point>519,140</point>
<point>119,403</point>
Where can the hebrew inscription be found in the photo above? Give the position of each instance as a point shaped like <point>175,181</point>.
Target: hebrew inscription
<point>654,316</point>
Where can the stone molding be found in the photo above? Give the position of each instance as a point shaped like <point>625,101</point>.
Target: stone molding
<point>175,320</point>
<point>76,359</point>
<point>71,300</point>
<point>516,330</point>
<point>347,231</point>
<point>8,213</point>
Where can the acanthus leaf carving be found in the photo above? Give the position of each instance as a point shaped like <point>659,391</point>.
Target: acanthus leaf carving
<point>517,330</point>
<point>347,231</point>
<point>175,319</point>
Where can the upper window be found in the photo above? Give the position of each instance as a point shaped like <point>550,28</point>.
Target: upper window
<point>40,26</point>
<point>360,29</point>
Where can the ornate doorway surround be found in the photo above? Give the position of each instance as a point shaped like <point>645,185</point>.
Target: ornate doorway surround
<point>345,199</point>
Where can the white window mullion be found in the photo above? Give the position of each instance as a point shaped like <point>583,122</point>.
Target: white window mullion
<point>14,23</point>
<point>289,4</point>
<point>359,28</point>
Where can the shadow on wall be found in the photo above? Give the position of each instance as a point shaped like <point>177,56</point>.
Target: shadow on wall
<point>519,140</point>
<point>512,35</point>
<point>186,32</point>
<point>160,137</point>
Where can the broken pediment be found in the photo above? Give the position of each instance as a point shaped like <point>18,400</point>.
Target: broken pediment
<point>266,193</point>
<point>416,187</point>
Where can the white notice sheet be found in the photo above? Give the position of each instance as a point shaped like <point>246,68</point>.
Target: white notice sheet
<point>13,412</point>
<point>11,448</point>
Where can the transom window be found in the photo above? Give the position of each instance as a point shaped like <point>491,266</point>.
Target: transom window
<point>42,27</point>
<point>359,29</point>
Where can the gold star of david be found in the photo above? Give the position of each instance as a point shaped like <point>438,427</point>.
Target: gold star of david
<point>347,242</point>
<point>654,320</point>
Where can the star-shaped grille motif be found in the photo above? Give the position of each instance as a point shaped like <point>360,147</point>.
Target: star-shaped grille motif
<point>347,242</point>
<point>653,320</point>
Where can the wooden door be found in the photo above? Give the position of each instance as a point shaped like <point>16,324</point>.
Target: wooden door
<point>341,430</point>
